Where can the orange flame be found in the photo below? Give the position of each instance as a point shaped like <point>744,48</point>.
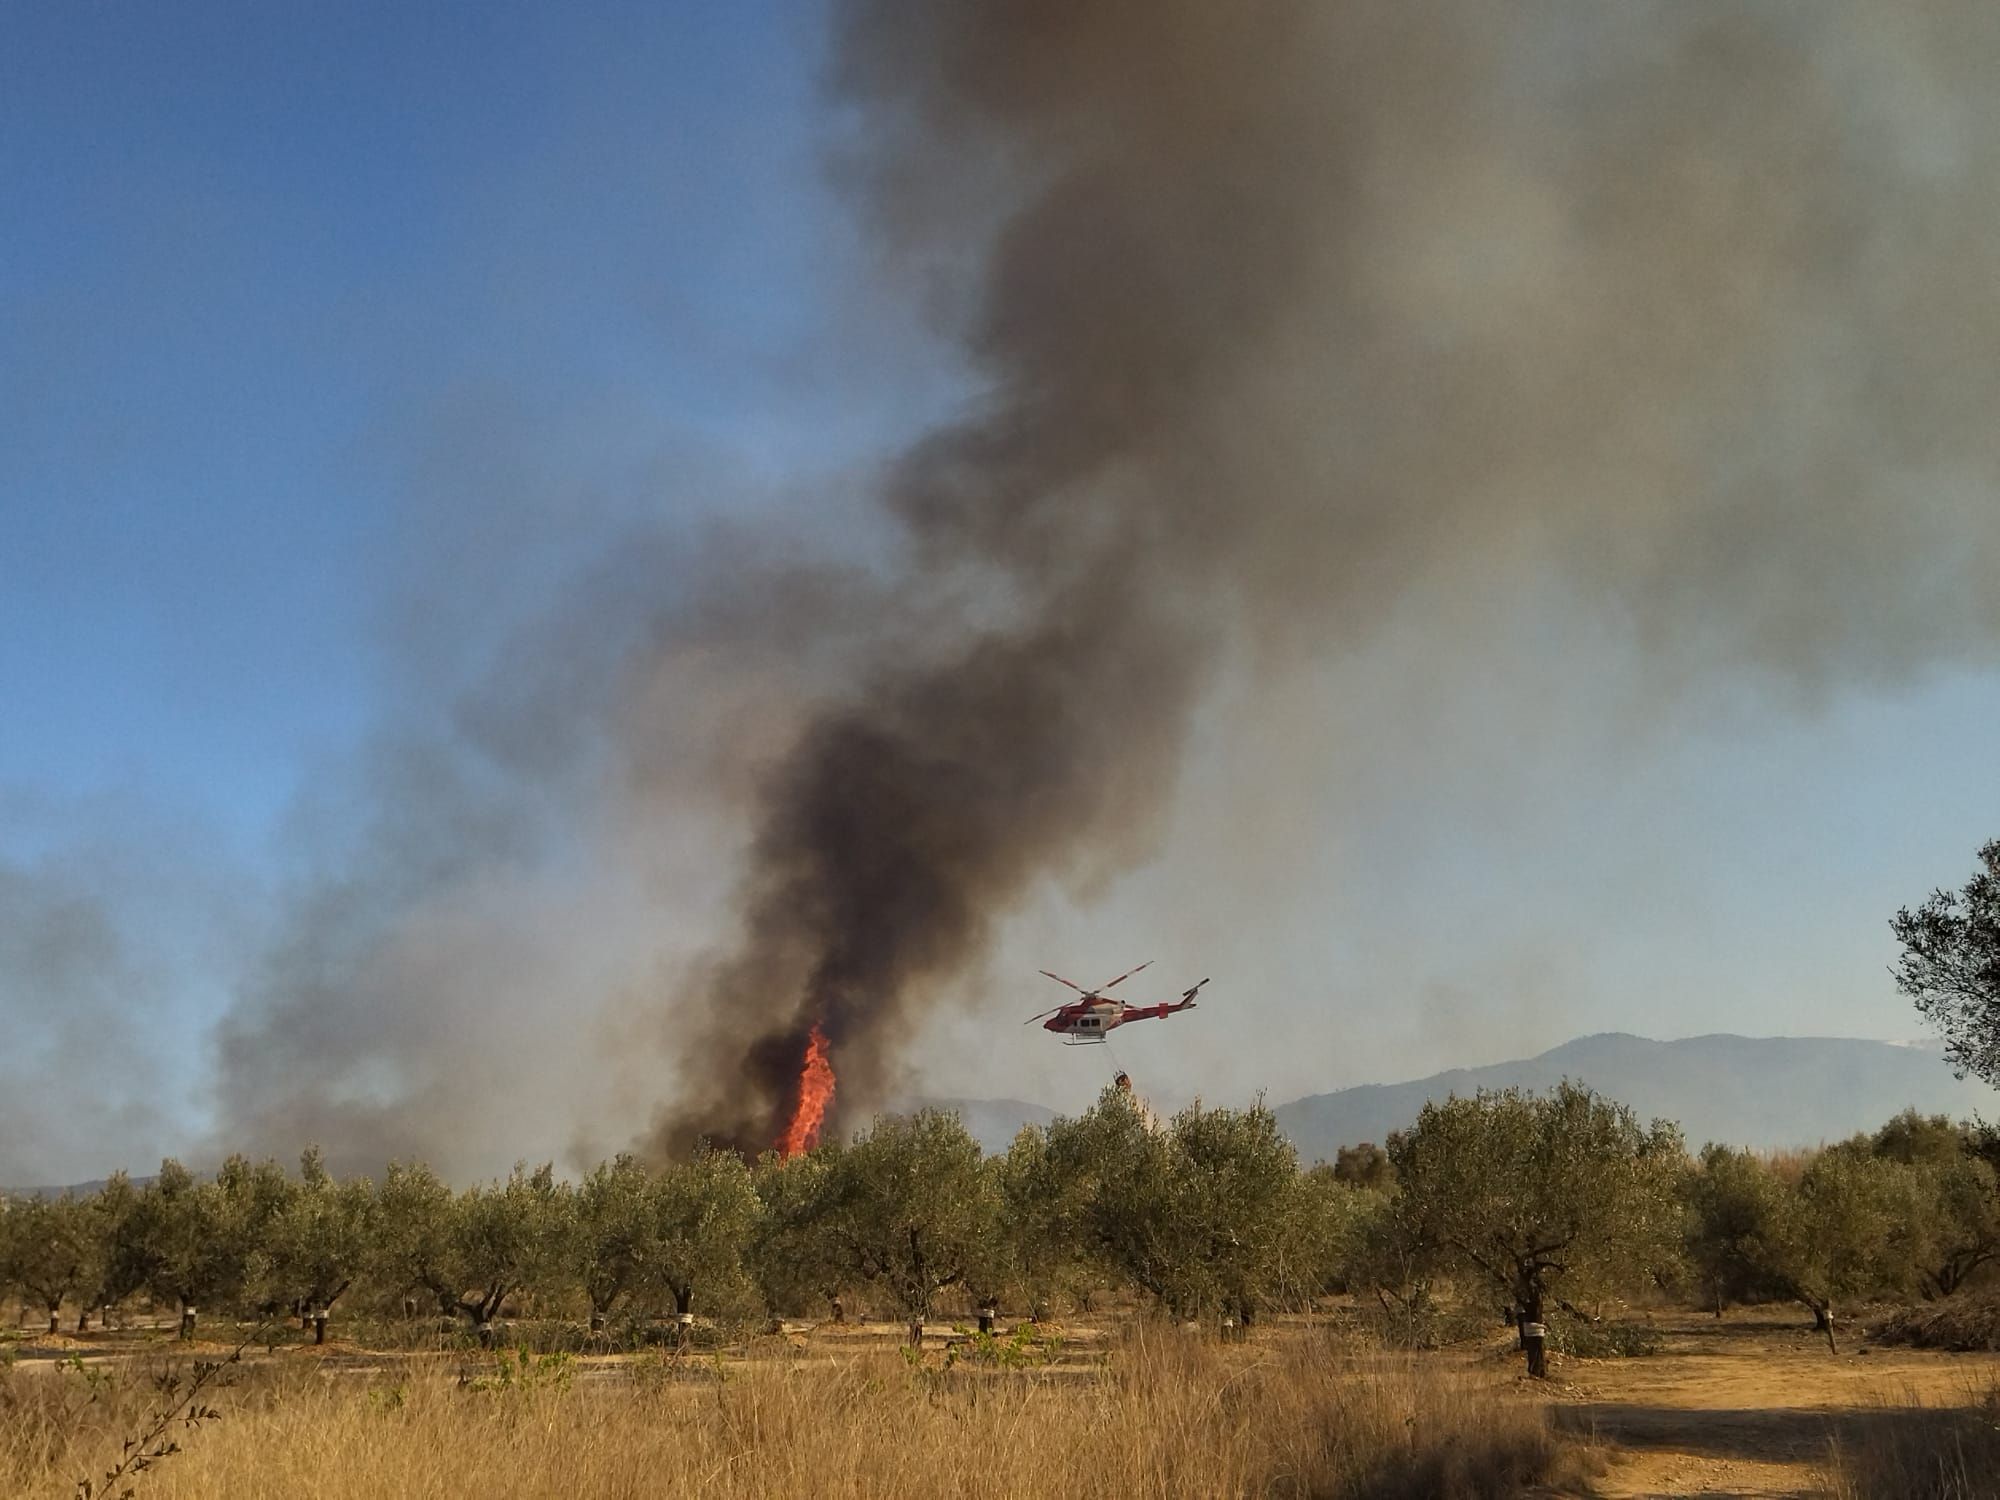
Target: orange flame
<point>815,1094</point>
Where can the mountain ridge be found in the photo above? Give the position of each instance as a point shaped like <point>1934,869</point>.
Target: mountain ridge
<point>1765,1092</point>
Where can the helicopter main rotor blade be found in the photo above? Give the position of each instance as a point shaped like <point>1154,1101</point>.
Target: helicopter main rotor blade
<point>1060,980</point>
<point>1044,1015</point>
<point>1127,974</point>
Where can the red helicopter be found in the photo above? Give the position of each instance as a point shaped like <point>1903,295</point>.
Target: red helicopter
<point>1088,1019</point>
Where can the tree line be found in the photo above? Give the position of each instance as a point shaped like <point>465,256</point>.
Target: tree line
<point>1525,1203</point>
<point>1517,1205</point>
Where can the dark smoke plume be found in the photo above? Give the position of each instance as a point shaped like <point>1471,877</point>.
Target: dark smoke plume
<point>1681,312</point>
<point>1117,303</point>
<point>1292,326</point>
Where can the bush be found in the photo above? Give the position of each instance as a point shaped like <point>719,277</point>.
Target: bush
<point>1969,1321</point>
<point>1425,1324</point>
<point>1580,1340</point>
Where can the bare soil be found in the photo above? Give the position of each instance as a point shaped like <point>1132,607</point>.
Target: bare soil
<point>1749,1404</point>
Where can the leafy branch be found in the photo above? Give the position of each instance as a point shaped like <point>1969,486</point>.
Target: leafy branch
<point>181,1403</point>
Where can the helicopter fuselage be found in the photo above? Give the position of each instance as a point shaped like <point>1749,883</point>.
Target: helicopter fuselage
<point>1091,1020</point>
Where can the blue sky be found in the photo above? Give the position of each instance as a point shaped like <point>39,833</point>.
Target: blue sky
<point>254,253</point>
<point>345,350</point>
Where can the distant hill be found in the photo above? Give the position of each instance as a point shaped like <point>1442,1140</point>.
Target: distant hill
<point>79,1189</point>
<point>1749,1091</point>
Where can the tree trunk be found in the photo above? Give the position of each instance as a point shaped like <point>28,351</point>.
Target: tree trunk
<point>55,1317</point>
<point>986,1312</point>
<point>187,1324</point>
<point>1534,1335</point>
<point>596,1320</point>
<point>319,1326</point>
<point>839,1311</point>
<point>1823,1321</point>
<point>916,1333</point>
<point>485,1330</point>
<point>82,1320</point>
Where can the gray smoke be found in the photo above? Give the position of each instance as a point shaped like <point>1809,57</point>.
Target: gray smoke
<point>1677,308</point>
<point>1276,315</point>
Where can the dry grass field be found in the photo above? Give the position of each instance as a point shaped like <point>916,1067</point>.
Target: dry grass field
<point>1752,1404</point>
<point>1159,1413</point>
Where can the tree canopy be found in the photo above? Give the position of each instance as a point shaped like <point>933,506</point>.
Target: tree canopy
<point>1951,967</point>
<point>1560,1195</point>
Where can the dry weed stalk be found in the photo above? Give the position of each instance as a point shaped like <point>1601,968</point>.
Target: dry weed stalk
<point>152,1443</point>
<point>1915,1451</point>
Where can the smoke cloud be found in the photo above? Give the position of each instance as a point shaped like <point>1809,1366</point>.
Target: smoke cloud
<point>1275,317</point>
<point>1291,306</point>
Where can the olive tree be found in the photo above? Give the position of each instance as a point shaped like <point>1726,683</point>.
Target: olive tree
<point>1209,1214</point>
<point>911,1209</point>
<point>793,1258</point>
<point>1955,1226</point>
<point>121,1263</point>
<point>49,1250</point>
<point>1327,1221</point>
<point>1111,1199</point>
<point>1950,967</point>
<point>1239,1208</point>
<point>1836,1230</point>
<point>1389,1255</point>
<point>506,1238</point>
<point>1041,1220</point>
<point>470,1251</point>
<point>701,1215</point>
<point>320,1241</point>
<point>1735,1205</point>
<point>417,1237</point>
<point>1952,1226</point>
<point>7,1282</point>
<point>611,1233</point>
<point>1364,1166</point>
<point>188,1237</point>
<point>1917,1139</point>
<point>1549,1198</point>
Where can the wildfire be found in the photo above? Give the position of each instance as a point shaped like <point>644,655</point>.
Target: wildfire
<point>815,1094</point>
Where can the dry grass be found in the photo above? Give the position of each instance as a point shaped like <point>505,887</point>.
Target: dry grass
<point>1919,1452</point>
<point>1168,1415</point>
